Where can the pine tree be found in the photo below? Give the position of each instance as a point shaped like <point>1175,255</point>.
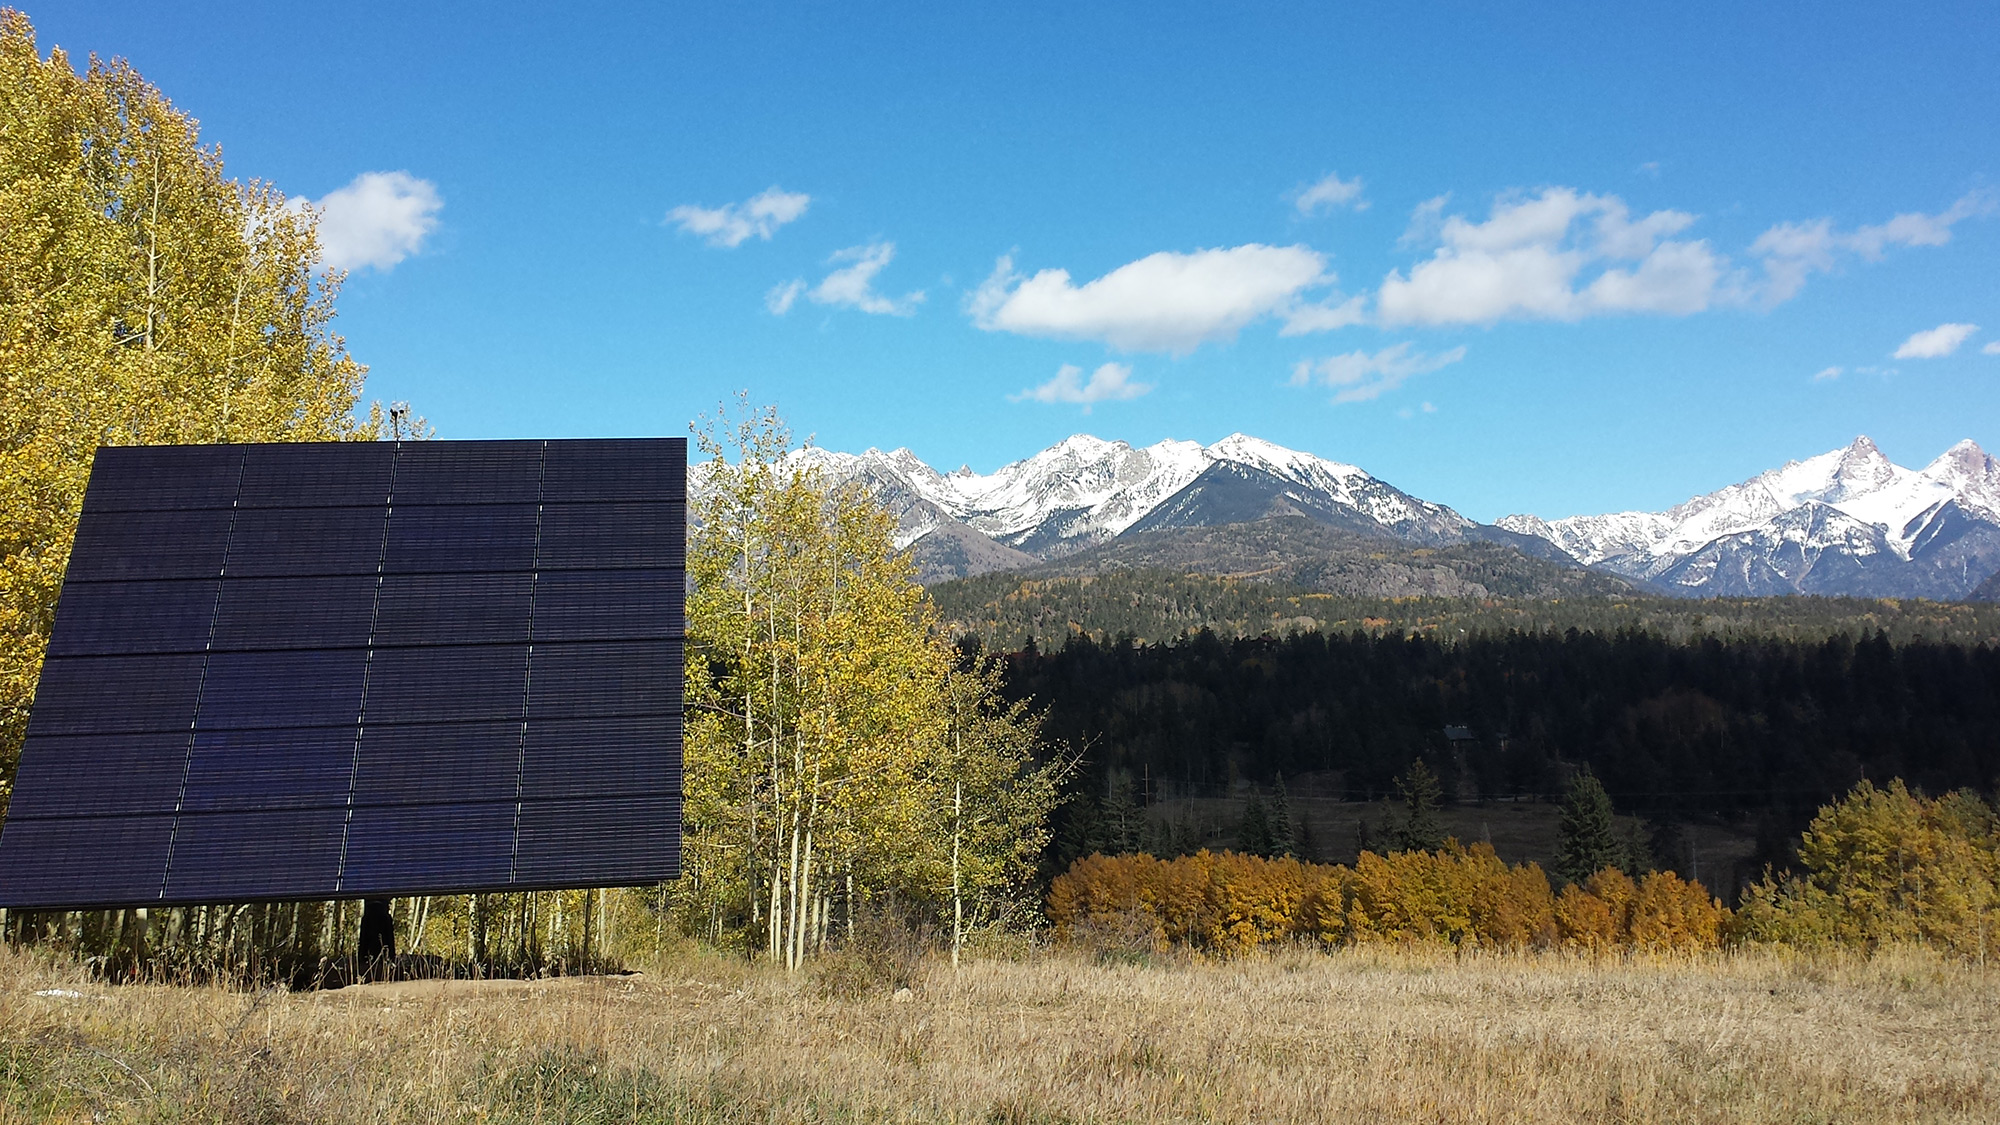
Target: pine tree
<point>1590,840</point>
<point>1188,836</point>
<point>1420,831</point>
<point>1123,819</point>
<point>1253,835</point>
<point>1283,841</point>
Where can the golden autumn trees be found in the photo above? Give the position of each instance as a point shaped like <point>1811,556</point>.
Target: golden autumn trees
<point>1464,896</point>
<point>144,297</point>
<point>1888,865</point>
<point>835,751</point>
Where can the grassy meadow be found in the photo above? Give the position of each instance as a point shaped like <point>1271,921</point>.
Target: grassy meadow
<point>1034,1035</point>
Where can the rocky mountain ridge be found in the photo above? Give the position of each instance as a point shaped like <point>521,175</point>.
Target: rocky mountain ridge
<point>1846,522</point>
<point>1849,521</point>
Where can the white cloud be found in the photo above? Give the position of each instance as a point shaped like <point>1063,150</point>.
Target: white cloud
<point>377,220</point>
<point>1826,373</point>
<point>779,299</point>
<point>1111,382</point>
<point>1426,222</point>
<point>1992,348</point>
<point>1529,258</point>
<point>1793,252</point>
<point>1360,377</point>
<point>1325,316</point>
<point>1164,302</point>
<point>1329,195</point>
<point>1935,343</point>
<point>732,224</point>
<point>851,286</point>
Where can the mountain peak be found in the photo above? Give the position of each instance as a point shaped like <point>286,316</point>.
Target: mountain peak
<point>1966,455</point>
<point>1863,467</point>
<point>1838,522</point>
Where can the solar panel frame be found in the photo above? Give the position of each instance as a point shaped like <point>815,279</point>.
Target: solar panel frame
<point>311,671</point>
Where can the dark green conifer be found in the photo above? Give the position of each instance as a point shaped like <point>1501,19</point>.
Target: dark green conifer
<point>1283,838</point>
<point>1124,820</point>
<point>1253,835</point>
<point>1590,840</point>
<point>1420,830</point>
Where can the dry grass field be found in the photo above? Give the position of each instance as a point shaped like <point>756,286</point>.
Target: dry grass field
<point>1360,1035</point>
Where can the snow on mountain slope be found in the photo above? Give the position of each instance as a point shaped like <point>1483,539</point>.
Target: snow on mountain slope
<point>1813,526</point>
<point>1084,490</point>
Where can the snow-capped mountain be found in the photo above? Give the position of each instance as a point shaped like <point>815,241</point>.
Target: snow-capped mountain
<point>1085,490</point>
<point>1845,522</point>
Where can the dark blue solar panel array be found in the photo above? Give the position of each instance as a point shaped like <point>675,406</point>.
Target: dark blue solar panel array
<point>359,669</point>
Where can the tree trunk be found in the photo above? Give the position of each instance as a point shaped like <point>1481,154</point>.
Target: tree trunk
<point>957,899</point>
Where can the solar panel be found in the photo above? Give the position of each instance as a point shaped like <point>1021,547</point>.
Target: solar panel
<point>300,671</point>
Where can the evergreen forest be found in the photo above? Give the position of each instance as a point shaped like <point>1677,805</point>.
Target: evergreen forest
<point>1751,730</point>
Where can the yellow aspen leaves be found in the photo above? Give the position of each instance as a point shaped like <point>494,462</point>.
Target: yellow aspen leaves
<point>144,298</point>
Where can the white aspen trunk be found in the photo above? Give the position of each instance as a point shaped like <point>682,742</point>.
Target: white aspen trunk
<point>805,885</point>
<point>957,899</point>
<point>749,725</point>
<point>784,933</point>
<point>153,260</point>
<point>771,945</point>
<point>559,943</point>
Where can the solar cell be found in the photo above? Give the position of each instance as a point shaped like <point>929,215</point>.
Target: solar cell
<point>502,472</point>
<point>401,849</point>
<point>131,773</point>
<point>159,478</point>
<point>602,536</point>
<point>429,539</point>
<point>311,687</point>
<point>307,671</point>
<point>122,858</point>
<point>248,854</point>
<point>599,757</point>
<point>605,679</point>
<point>465,682</point>
<point>292,767</point>
<point>107,618</point>
<point>609,605</point>
<point>314,611</point>
<point>438,763</point>
<point>111,546</point>
<point>582,843</point>
<point>442,609</point>
<point>114,694</point>
<point>274,541</point>
<point>317,475</point>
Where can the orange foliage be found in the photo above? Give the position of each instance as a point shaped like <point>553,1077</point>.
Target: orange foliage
<point>1229,903</point>
<point>1671,913</point>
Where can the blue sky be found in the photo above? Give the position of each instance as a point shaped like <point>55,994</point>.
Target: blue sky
<point>1546,258</point>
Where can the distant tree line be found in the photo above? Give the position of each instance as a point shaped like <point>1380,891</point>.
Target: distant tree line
<point>1156,605</point>
<point>1767,729</point>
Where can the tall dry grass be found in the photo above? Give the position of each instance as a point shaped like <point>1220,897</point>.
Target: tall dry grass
<point>1365,1034</point>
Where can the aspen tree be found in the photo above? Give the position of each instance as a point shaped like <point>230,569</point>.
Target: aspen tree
<point>820,704</point>
<point>144,297</point>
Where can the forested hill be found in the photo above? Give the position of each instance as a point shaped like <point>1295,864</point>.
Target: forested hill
<point>1154,604</point>
<point>1758,731</point>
